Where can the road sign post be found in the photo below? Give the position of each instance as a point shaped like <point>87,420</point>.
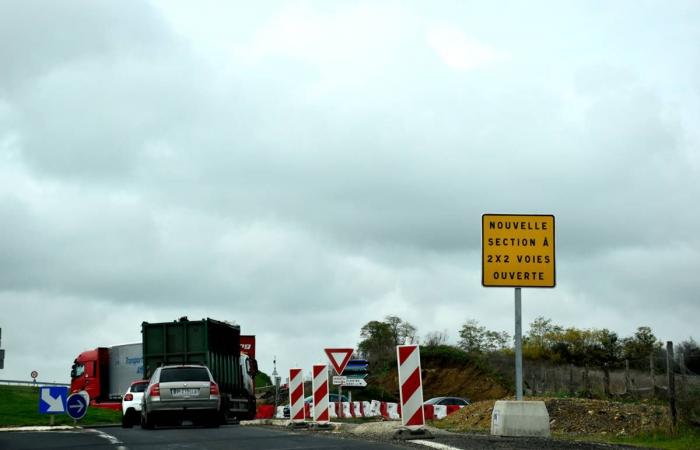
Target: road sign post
<point>339,358</point>
<point>296,396</point>
<point>410,386</point>
<point>76,406</point>
<point>52,399</point>
<point>518,251</point>
<point>518,346</point>
<point>319,392</point>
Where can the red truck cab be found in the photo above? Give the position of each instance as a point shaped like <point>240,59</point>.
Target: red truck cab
<point>89,373</point>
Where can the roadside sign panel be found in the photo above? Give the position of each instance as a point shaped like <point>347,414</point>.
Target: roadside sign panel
<point>296,395</point>
<point>339,358</point>
<point>339,380</point>
<point>319,387</point>
<point>517,250</point>
<point>52,399</point>
<point>76,406</point>
<point>410,386</point>
<point>355,382</point>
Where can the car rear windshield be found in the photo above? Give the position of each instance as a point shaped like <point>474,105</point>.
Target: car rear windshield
<point>138,387</point>
<point>184,374</point>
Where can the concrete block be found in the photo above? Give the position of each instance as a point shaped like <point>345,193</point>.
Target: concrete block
<point>524,418</point>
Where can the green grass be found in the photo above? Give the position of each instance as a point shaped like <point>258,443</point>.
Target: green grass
<point>19,406</point>
<point>684,439</point>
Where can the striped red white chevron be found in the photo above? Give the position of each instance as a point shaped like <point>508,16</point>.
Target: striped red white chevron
<point>410,386</point>
<point>319,387</point>
<point>296,395</point>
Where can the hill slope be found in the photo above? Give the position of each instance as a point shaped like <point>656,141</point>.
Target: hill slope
<point>446,371</point>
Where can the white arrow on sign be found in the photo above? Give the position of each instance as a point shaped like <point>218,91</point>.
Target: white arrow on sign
<point>79,406</point>
<point>55,404</point>
<point>355,382</point>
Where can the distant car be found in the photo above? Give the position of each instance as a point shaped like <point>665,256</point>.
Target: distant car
<point>333,398</point>
<point>131,403</point>
<point>184,392</point>
<point>448,401</point>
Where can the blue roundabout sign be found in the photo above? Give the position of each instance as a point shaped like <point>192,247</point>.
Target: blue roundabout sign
<point>76,406</point>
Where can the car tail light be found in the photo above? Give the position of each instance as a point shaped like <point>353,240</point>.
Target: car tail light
<point>128,397</point>
<point>155,390</point>
<point>213,388</point>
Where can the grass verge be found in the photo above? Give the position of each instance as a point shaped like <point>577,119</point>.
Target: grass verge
<point>19,406</point>
<point>685,438</point>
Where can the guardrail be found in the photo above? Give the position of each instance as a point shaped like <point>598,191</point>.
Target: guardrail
<point>31,383</point>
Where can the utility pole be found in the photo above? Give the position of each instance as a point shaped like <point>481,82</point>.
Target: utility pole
<point>2,352</point>
<point>276,380</point>
<point>671,384</point>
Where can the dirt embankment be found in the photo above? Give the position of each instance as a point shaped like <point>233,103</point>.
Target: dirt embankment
<point>572,416</point>
<point>440,379</point>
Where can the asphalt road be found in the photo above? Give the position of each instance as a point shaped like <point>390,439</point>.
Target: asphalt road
<point>230,437</point>
<point>233,437</point>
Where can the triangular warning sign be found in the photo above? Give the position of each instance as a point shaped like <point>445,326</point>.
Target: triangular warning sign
<point>339,358</point>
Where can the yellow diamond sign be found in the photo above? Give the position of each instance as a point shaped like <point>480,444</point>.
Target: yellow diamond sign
<point>517,250</point>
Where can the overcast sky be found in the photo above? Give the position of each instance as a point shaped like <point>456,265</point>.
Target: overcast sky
<point>302,168</point>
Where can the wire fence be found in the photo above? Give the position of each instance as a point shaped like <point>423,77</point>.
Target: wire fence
<point>31,383</point>
<point>626,378</point>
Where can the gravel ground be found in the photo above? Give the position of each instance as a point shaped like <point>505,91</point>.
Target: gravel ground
<point>384,432</point>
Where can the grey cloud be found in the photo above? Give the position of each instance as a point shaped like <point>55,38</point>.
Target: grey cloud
<point>144,174</point>
<point>38,36</point>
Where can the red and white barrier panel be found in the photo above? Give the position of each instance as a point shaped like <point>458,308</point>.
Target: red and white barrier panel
<point>265,412</point>
<point>437,412</point>
<point>410,386</point>
<point>375,408</point>
<point>296,395</point>
<point>319,387</point>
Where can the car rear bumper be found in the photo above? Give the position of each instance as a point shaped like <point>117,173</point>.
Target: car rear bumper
<point>183,405</point>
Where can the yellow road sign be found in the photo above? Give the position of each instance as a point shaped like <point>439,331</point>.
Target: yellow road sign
<point>517,250</point>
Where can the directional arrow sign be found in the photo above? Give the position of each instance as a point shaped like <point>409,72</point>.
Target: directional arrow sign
<point>339,358</point>
<point>76,406</point>
<point>356,375</point>
<point>52,399</point>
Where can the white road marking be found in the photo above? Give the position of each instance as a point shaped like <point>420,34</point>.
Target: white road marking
<point>433,444</point>
<point>112,440</point>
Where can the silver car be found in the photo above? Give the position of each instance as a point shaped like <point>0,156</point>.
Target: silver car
<point>183,392</point>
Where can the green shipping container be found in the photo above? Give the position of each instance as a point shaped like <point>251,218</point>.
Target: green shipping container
<point>209,342</point>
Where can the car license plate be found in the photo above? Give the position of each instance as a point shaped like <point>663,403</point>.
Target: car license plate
<point>184,392</point>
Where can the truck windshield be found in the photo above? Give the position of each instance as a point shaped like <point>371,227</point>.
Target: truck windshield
<point>78,370</point>
<point>184,374</point>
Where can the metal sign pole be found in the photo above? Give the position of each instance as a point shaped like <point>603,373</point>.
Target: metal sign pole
<point>518,346</point>
<point>340,400</point>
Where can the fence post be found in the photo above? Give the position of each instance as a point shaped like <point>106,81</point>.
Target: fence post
<point>606,380</point>
<point>651,374</point>
<point>544,378</point>
<point>586,383</point>
<point>571,379</point>
<point>671,384</point>
<point>681,360</point>
<point>628,383</point>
